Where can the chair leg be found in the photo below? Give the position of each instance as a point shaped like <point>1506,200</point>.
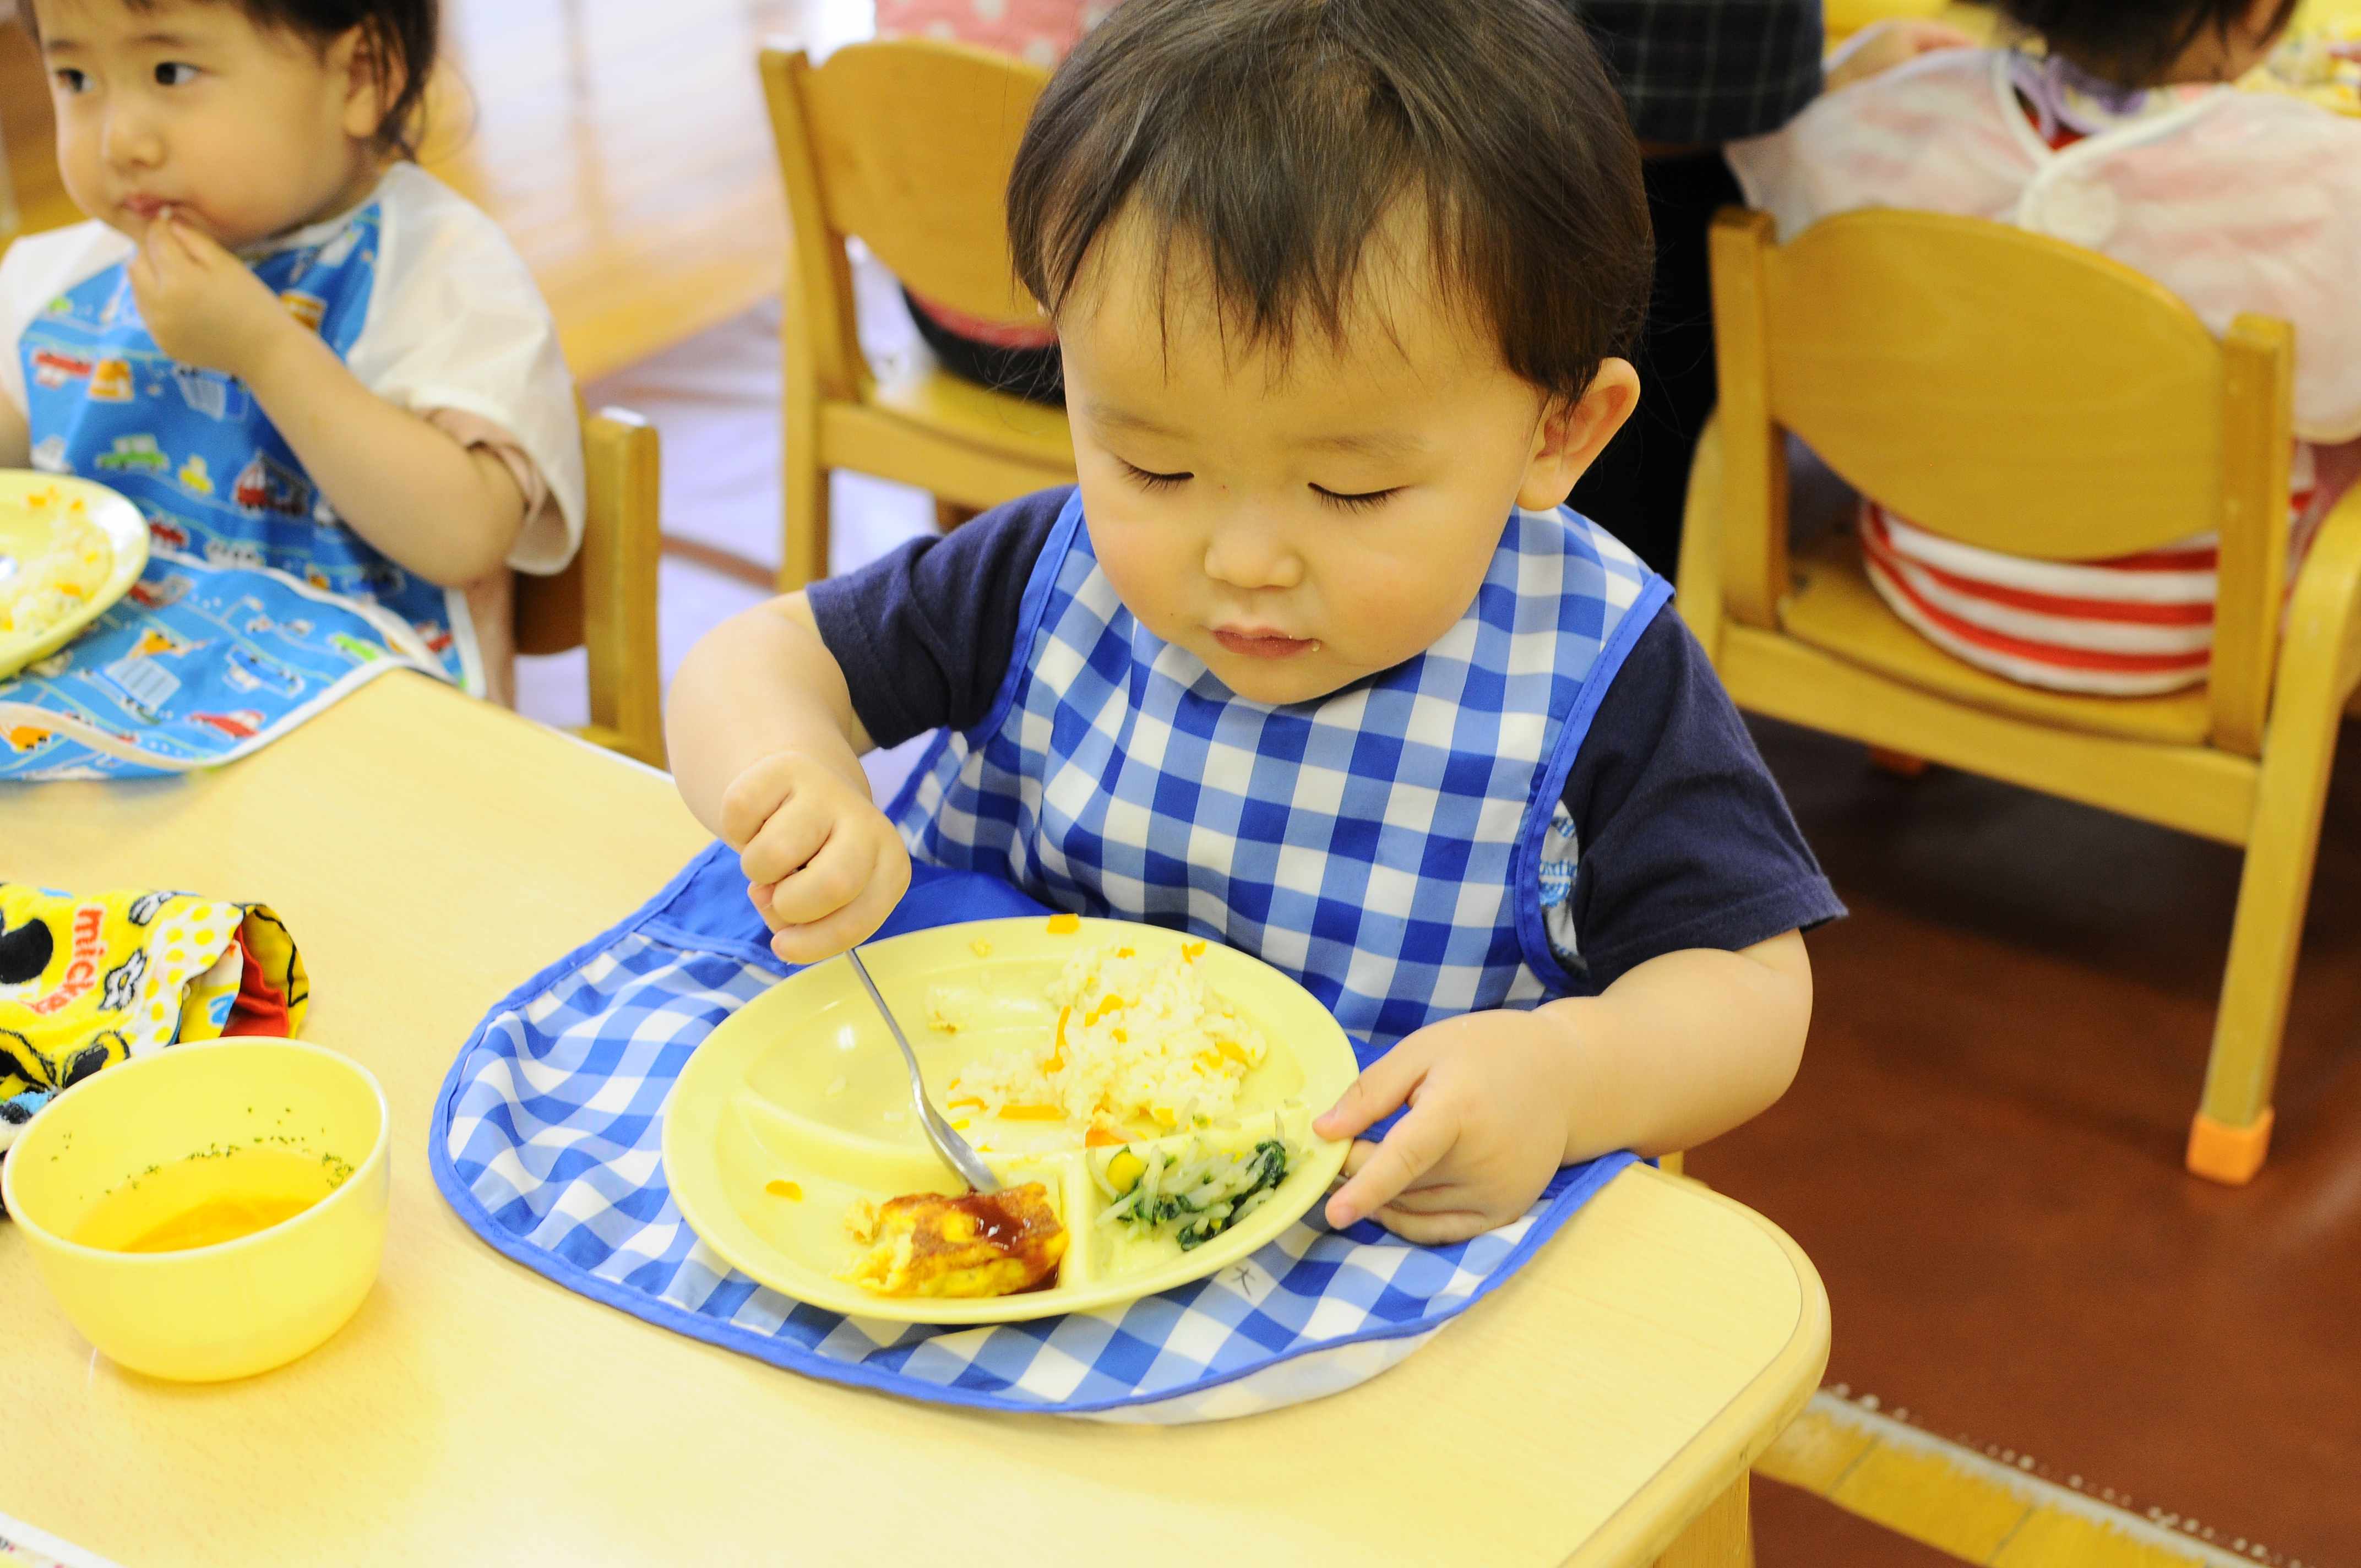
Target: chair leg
<point>951,515</point>
<point>2232,1133</point>
<point>804,560</point>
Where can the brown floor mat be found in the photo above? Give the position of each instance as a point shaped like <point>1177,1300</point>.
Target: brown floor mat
<point>1983,1154</point>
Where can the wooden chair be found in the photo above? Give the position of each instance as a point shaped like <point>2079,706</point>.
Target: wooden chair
<point>907,146</point>
<point>606,601</point>
<point>2011,391</point>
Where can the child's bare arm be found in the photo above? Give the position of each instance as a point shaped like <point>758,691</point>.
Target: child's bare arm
<point>16,437</point>
<point>1690,1044</point>
<point>766,751</point>
<point>448,512</point>
<point>760,683</point>
<point>1681,1049</point>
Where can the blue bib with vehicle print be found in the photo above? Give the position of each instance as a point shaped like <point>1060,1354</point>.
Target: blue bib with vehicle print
<point>258,607</point>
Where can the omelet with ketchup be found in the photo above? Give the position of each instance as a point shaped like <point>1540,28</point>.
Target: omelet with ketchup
<point>978,1244</point>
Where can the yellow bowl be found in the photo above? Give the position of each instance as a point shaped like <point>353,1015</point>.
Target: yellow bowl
<point>238,1306</point>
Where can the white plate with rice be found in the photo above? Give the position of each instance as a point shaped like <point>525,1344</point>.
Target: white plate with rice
<point>68,550</point>
<point>1162,1090</point>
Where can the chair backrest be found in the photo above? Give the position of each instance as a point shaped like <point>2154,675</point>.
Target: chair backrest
<point>2010,392</point>
<point>605,598</point>
<point>905,145</point>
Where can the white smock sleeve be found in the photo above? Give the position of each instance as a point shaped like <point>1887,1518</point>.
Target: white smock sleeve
<point>2294,220</point>
<point>459,334</point>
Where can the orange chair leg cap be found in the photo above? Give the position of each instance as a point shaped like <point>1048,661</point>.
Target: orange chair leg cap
<point>2231,1155</point>
<point>1901,764</point>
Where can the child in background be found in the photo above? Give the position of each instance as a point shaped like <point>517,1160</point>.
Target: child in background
<point>1313,661</point>
<point>1008,358</point>
<point>2122,137</point>
<point>286,342</point>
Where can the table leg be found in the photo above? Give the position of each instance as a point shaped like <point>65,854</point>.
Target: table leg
<point>1721,1537</point>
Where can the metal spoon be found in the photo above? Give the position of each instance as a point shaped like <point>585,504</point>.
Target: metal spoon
<point>954,1149</point>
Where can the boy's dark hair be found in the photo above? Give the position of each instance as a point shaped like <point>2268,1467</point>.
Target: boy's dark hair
<point>2132,43</point>
<point>1275,135</point>
<point>403,34</point>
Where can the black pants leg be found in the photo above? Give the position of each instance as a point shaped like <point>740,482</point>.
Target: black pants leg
<point>1639,487</point>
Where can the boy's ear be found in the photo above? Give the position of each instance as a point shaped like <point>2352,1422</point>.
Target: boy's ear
<point>371,77</point>
<point>1572,434</point>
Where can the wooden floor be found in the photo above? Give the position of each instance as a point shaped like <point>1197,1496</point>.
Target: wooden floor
<point>621,145</point>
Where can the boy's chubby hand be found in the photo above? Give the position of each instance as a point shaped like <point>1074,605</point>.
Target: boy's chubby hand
<point>202,305</point>
<point>1486,1128</point>
<point>823,865</point>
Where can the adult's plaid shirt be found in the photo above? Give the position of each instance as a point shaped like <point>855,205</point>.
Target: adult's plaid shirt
<point>1710,71</point>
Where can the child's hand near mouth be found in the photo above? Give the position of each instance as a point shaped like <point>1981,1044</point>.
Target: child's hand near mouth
<point>202,305</point>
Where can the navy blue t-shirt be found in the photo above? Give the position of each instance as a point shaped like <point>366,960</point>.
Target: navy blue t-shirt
<point>1685,840</point>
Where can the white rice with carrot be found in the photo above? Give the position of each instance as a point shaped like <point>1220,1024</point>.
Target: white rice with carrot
<point>1140,1043</point>
<point>44,589</point>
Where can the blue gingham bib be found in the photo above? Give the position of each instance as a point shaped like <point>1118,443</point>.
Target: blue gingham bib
<point>1390,847</point>
<point>548,1136</point>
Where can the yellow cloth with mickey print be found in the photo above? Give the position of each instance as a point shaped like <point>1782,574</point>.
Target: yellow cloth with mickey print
<point>87,980</point>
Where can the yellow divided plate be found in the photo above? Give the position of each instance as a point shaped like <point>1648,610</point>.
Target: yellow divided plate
<point>33,507</point>
<point>803,1085</point>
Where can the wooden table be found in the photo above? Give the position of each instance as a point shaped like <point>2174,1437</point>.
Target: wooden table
<point>429,852</point>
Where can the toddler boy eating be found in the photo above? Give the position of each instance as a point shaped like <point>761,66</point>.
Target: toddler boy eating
<point>1312,660</point>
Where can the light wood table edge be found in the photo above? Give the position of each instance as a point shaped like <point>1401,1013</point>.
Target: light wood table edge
<point>572,737</point>
<point>1694,1480</point>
